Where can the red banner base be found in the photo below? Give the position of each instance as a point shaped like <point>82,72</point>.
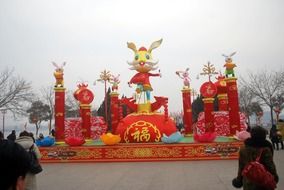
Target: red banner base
<point>124,152</point>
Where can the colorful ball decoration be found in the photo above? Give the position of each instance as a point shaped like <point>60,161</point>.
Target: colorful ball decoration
<point>75,141</point>
<point>242,135</point>
<point>110,139</point>
<point>205,137</point>
<point>208,90</point>
<point>46,141</point>
<point>173,138</point>
<point>145,128</point>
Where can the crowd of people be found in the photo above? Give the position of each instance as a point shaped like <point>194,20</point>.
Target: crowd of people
<point>15,160</point>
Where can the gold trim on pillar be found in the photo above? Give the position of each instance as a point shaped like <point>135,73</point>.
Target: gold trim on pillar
<point>114,94</point>
<point>85,106</point>
<point>59,89</point>
<point>208,100</point>
<point>222,96</point>
<point>59,114</point>
<point>231,79</point>
<point>188,90</point>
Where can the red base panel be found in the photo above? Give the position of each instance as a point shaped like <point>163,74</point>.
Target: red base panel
<point>141,152</point>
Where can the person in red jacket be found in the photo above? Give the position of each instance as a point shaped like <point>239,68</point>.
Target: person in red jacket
<point>249,152</point>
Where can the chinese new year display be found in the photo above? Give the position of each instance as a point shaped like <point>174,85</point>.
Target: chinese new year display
<point>138,126</point>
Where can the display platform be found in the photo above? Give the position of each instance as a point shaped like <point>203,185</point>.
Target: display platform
<point>137,152</point>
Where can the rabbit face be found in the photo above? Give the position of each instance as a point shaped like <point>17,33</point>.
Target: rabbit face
<point>143,61</point>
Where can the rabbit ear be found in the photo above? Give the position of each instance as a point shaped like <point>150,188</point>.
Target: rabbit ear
<point>132,46</point>
<point>187,69</point>
<point>55,65</point>
<point>233,54</point>
<point>225,55</point>
<point>155,45</point>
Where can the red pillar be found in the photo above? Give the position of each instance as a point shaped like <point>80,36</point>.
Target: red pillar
<point>222,102</point>
<point>86,120</point>
<point>233,104</point>
<point>115,113</point>
<point>59,113</point>
<point>187,112</point>
<point>208,111</point>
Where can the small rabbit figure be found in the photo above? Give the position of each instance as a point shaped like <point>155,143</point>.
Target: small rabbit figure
<point>58,74</point>
<point>114,80</point>
<point>229,65</point>
<point>185,76</point>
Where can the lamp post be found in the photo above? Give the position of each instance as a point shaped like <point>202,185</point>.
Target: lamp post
<point>3,125</point>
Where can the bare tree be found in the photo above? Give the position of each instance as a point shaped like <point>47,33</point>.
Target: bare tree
<point>266,85</point>
<point>38,112</point>
<point>48,99</point>
<point>245,101</point>
<point>71,105</point>
<point>15,93</point>
<point>249,104</point>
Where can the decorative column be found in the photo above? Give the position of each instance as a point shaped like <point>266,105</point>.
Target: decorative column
<point>233,104</point>
<point>59,113</point>
<point>209,117</point>
<point>208,90</point>
<point>115,110</point>
<point>186,100</point>
<point>59,107</point>
<point>85,110</point>
<point>187,111</point>
<point>222,102</point>
<point>222,93</point>
<point>85,97</point>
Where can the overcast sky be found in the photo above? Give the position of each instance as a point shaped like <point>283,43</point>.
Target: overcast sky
<point>91,36</point>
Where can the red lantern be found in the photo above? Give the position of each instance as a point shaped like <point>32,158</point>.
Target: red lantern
<point>84,95</point>
<point>208,90</point>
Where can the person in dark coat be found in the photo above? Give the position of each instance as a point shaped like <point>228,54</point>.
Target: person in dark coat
<point>274,137</point>
<point>14,165</point>
<point>249,152</point>
<point>1,136</point>
<point>27,142</point>
<point>12,136</point>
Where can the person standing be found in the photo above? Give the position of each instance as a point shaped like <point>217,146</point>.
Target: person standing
<point>12,136</point>
<point>253,147</point>
<point>27,142</point>
<point>279,135</point>
<point>1,136</point>
<point>274,137</point>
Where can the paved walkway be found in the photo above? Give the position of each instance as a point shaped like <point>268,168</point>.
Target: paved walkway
<point>181,175</point>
